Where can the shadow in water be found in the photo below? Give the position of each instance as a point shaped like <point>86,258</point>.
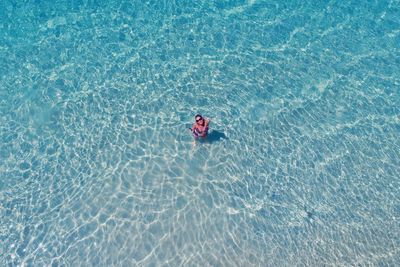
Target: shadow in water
<point>215,136</point>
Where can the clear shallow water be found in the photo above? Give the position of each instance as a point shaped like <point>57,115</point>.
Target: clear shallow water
<point>97,166</point>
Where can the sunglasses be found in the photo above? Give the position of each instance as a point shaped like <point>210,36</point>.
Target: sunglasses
<point>199,119</point>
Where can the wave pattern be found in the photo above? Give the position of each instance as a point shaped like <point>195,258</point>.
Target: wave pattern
<point>97,166</point>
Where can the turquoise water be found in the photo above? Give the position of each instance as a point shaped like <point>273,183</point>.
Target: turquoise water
<point>97,167</point>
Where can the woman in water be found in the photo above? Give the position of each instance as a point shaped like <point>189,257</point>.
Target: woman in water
<point>200,127</point>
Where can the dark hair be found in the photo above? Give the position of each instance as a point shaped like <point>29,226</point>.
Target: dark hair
<point>198,115</point>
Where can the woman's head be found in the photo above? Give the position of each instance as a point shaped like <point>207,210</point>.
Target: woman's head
<point>198,118</point>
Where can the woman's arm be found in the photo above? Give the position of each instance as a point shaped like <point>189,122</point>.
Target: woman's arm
<point>204,132</point>
<point>194,132</point>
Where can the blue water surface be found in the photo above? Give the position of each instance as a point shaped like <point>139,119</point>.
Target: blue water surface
<point>98,168</point>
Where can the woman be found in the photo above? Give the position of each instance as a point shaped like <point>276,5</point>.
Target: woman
<point>200,127</point>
